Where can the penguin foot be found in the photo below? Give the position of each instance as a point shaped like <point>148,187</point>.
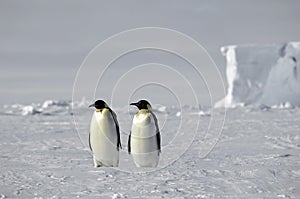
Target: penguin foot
<point>97,163</point>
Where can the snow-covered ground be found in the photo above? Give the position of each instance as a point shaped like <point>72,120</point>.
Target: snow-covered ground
<point>43,155</point>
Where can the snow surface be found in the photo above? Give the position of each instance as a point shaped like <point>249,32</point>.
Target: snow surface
<point>257,74</point>
<point>257,156</point>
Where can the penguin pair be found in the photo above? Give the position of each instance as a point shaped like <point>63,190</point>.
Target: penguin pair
<point>144,139</point>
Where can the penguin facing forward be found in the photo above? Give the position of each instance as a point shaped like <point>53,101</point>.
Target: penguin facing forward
<point>144,139</point>
<point>104,137</point>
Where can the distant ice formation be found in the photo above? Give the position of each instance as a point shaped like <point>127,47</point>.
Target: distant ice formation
<point>262,75</point>
<point>49,107</point>
<point>30,110</point>
<point>49,103</point>
<point>66,107</point>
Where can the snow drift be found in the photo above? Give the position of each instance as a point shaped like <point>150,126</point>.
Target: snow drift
<point>262,75</point>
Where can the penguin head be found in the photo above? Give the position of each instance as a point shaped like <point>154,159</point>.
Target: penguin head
<point>99,104</point>
<point>142,104</point>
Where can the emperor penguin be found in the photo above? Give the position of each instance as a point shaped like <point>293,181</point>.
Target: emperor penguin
<point>144,138</point>
<point>104,137</point>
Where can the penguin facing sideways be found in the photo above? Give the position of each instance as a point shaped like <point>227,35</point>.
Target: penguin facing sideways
<point>104,137</point>
<point>144,139</point>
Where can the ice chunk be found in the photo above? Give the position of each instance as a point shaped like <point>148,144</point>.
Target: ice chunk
<point>159,108</point>
<point>47,103</point>
<point>29,110</point>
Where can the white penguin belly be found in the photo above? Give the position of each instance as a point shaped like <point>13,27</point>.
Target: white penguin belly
<point>104,139</point>
<point>144,146</point>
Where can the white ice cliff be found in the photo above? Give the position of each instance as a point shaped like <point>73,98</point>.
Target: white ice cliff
<point>262,75</point>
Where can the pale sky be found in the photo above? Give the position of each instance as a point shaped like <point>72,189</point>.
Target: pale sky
<point>43,43</point>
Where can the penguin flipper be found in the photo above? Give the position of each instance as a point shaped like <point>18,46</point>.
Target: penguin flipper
<point>114,115</point>
<point>158,141</point>
<point>129,143</point>
<point>90,142</point>
<point>158,133</point>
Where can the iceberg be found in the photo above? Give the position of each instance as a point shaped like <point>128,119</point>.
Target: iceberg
<point>262,75</point>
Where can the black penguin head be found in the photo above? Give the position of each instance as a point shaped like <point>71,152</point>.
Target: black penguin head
<point>99,104</point>
<point>142,104</point>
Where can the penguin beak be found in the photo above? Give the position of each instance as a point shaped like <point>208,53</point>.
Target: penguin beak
<point>92,105</point>
<point>134,104</point>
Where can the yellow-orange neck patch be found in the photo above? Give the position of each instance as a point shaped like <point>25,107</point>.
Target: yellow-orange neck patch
<point>148,106</point>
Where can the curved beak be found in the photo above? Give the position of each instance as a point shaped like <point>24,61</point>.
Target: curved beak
<point>92,105</point>
<point>134,104</point>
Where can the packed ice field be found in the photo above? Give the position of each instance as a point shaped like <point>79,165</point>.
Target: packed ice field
<point>45,154</point>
